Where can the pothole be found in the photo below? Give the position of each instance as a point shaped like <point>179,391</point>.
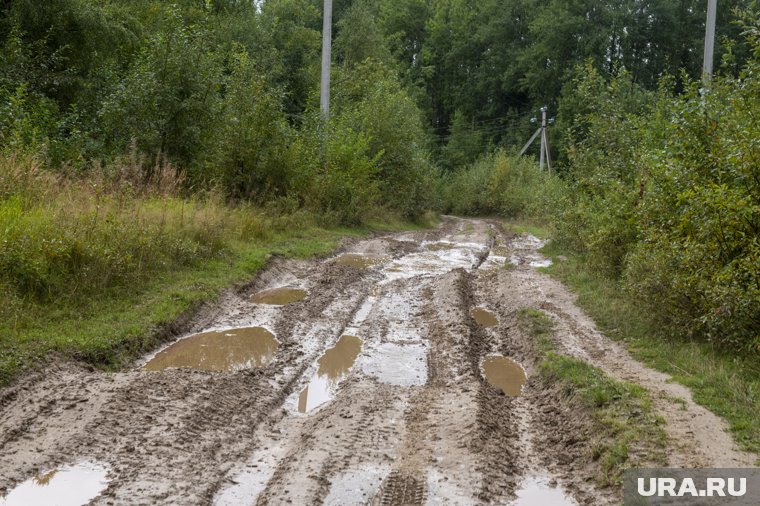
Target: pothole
<point>484,317</point>
<point>333,365</point>
<point>539,490</point>
<point>74,485</point>
<point>225,350</point>
<point>279,296</point>
<point>360,261</point>
<point>505,374</point>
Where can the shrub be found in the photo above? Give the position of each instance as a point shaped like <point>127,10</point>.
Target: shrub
<point>506,185</point>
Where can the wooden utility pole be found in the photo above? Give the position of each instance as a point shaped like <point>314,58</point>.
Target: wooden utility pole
<point>545,152</point>
<point>324,97</point>
<point>543,138</point>
<point>707,68</point>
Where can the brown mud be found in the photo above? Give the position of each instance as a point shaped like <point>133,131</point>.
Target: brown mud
<point>410,417</point>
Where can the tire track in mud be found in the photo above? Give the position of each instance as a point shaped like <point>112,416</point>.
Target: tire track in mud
<point>167,436</point>
<point>388,435</point>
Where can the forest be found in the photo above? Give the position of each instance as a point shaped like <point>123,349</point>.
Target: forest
<point>139,137</point>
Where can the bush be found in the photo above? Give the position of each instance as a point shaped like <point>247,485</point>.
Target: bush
<point>371,100</point>
<point>248,151</point>
<point>337,177</point>
<point>169,100</point>
<point>700,220</point>
<point>505,185</point>
<point>668,199</point>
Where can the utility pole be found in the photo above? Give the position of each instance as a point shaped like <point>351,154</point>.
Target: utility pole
<point>324,98</point>
<point>543,138</point>
<point>546,154</point>
<point>707,69</point>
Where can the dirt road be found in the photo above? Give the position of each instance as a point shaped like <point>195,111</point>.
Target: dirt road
<point>370,390</point>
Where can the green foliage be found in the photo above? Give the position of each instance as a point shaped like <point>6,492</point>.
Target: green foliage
<point>249,152</point>
<point>505,185</point>
<point>340,181</point>
<point>371,100</point>
<point>168,100</point>
<point>666,195</point>
<point>77,239</point>
<point>622,413</point>
<point>720,379</point>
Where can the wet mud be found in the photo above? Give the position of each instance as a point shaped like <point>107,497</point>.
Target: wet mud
<point>279,296</point>
<point>360,261</point>
<point>383,385</point>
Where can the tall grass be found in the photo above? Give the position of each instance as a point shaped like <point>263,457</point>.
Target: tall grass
<point>66,239</point>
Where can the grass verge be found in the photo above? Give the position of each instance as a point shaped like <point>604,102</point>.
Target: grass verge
<point>120,323</point>
<point>627,432</point>
<point>725,383</point>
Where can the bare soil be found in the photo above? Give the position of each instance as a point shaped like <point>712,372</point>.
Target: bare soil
<point>413,421</point>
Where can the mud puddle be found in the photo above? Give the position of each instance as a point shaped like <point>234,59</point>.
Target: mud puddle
<point>360,261</point>
<point>397,364</point>
<point>539,490</point>
<point>279,296</point>
<point>65,486</point>
<point>505,374</point>
<point>225,350</point>
<point>484,317</point>
<point>333,366</point>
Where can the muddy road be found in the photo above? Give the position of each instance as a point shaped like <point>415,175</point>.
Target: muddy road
<point>393,373</point>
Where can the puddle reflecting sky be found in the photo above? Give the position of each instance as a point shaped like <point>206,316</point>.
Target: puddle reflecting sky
<point>333,365</point>
<point>484,317</point>
<point>279,296</point>
<point>536,490</point>
<point>397,364</point>
<point>226,350</point>
<point>66,486</point>
<point>505,374</point>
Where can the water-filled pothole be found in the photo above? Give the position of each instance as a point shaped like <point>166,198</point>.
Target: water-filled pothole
<point>333,365</point>
<point>225,350</point>
<point>484,317</point>
<point>65,486</point>
<point>538,490</point>
<point>360,261</point>
<point>505,374</point>
<point>279,296</point>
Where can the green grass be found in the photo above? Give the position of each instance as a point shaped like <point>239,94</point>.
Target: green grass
<point>535,228</point>
<point>626,430</point>
<point>120,323</point>
<point>539,326</point>
<point>724,382</point>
